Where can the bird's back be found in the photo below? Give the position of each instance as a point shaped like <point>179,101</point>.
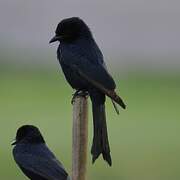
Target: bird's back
<point>86,56</point>
<point>38,162</point>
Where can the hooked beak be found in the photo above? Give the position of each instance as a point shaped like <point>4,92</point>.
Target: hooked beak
<point>55,38</point>
<point>14,142</point>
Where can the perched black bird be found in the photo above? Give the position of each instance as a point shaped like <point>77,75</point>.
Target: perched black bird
<point>34,158</point>
<point>84,68</point>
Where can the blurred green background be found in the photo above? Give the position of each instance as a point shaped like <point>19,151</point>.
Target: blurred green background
<point>144,138</point>
<point>140,43</point>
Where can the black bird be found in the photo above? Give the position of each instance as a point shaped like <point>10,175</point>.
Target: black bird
<point>34,158</point>
<point>84,69</point>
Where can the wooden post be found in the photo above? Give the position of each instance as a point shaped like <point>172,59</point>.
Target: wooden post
<point>80,138</point>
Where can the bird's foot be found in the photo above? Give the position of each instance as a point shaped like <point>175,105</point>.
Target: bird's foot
<point>79,93</point>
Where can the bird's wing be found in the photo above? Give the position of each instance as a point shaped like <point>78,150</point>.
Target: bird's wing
<point>49,169</point>
<point>111,93</point>
<point>96,74</point>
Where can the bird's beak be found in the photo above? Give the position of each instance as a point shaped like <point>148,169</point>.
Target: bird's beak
<point>14,142</point>
<point>55,38</point>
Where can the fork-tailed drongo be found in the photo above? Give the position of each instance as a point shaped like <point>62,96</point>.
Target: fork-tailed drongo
<point>84,69</point>
<point>34,157</point>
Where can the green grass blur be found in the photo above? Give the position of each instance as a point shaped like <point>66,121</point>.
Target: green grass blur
<point>144,138</point>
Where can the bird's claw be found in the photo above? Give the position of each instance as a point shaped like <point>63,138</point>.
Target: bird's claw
<point>79,93</point>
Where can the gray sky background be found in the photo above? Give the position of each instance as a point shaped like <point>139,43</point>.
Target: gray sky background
<point>129,29</point>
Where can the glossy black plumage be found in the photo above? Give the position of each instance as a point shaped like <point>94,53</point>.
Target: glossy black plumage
<point>84,69</point>
<point>34,158</point>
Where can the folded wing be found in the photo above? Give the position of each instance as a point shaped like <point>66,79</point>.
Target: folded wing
<point>94,73</point>
<point>47,168</point>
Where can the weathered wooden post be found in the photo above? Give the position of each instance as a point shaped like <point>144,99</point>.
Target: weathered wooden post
<point>80,138</point>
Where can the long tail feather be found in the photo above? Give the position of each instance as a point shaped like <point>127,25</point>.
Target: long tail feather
<point>100,140</point>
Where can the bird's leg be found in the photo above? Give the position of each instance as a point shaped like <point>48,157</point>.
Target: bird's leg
<point>74,96</point>
<point>79,93</point>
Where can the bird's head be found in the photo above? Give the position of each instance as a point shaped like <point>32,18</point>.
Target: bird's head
<point>71,29</point>
<point>28,134</point>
